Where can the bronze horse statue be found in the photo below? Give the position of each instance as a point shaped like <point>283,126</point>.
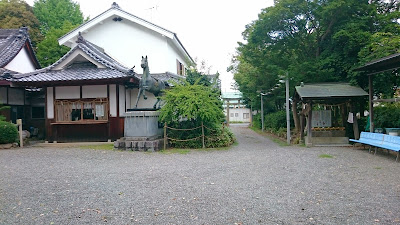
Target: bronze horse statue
<point>150,84</point>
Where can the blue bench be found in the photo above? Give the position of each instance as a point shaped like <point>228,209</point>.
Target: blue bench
<point>378,140</point>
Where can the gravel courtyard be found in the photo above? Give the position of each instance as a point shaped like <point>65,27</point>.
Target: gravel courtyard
<point>255,182</point>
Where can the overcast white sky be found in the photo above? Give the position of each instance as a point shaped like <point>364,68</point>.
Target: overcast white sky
<point>209,29</point>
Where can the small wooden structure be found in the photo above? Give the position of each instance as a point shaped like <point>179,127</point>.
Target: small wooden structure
<point>384,64</point>
<point>337,97</point>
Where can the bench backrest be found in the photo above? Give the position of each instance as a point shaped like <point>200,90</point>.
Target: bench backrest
<point>372,136</point>
<point>392,139</point>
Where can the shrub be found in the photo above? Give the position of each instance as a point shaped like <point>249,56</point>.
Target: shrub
<point>277,120</point>
<point>257,121</point>
<point>215,137</point>
<point>8,132</point>
<point>387,116</point>
<point>189,106</point>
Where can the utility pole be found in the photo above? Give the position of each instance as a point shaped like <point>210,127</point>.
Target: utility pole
<point>287,109</point>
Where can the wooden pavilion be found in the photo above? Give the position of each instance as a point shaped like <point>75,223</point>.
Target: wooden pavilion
<point>340,98</point>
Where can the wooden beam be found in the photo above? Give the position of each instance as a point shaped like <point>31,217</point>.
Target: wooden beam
<point>371,104</point>
<point>309,125</point>
<point>355,122</point>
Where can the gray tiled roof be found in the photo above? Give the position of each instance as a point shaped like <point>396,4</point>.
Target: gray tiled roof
<point>79,71</point>
<point>11,43</point>
<point>329,90</point>
<point>168,78</point>
<point>74,74</point>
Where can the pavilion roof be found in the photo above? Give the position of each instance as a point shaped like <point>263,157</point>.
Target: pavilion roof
<point>326,91</point>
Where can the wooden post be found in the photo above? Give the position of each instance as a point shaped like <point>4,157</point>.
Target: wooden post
<point>309,125</point>
<point>21,141</point>
<point>202,131</point>
<point>371,104</point>
<point>165,136</point>
<point>302,118</point>
<point>355,122</point>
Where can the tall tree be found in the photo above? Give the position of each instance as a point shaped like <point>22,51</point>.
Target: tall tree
<point>312,40</point>
<point>53,13</point>
<point>57,17</point>
<point>17,13</point>
<point>49,51</point>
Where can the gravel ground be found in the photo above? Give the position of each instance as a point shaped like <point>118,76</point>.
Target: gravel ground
<point>255,182</point>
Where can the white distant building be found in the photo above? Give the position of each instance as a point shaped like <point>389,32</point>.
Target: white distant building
<point>234,109</point>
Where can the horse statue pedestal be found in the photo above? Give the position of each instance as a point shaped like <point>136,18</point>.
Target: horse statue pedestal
<point>142,132</point>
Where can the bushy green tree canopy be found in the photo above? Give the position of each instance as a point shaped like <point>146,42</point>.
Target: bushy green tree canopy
<point>49,51</point>
<point>314,41</point>
<point>57,17</point>
<point>17,13</point>
<point>192,103</point>
<point>54,13</point>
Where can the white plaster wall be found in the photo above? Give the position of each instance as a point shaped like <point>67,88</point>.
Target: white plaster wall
<point>21,63</point>
<point>121,100</point>
<point>127,42</point>
<point>113,100</point>
<point>50,103</point>
<point>148,103</point>
<point>68,92</point>
<point>128,98</point>
<point>172,56</point>
<point>94,91</point>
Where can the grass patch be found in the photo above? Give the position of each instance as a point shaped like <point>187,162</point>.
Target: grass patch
<point>325,156</point>
<point>378,168</point>
<point>279,141</point>
<point>98,147</point>
<point>175,151</point>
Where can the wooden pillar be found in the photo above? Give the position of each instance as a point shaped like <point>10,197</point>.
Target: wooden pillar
<point>309,125</point>
<point>355,122</point>
<point>371,104</point>
<point>343,114</point>
<point>302,124</point>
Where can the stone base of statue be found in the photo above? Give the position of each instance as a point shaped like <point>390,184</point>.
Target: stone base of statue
<point>142,132</point>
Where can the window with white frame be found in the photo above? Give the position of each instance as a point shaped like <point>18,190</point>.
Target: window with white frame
<point>246,115</point>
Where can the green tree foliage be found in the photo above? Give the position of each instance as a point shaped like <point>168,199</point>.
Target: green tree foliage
<point>49,51</point>
<point>54,13</point>
<point>2,118</point>
<point>194,103</point>
<point>314,41</point>
<point>17,13</point>
<point>193,76</point>
<point>8,133</point>
<point>387,115</point>
<point>188,106</point>
<point>57,17</point>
